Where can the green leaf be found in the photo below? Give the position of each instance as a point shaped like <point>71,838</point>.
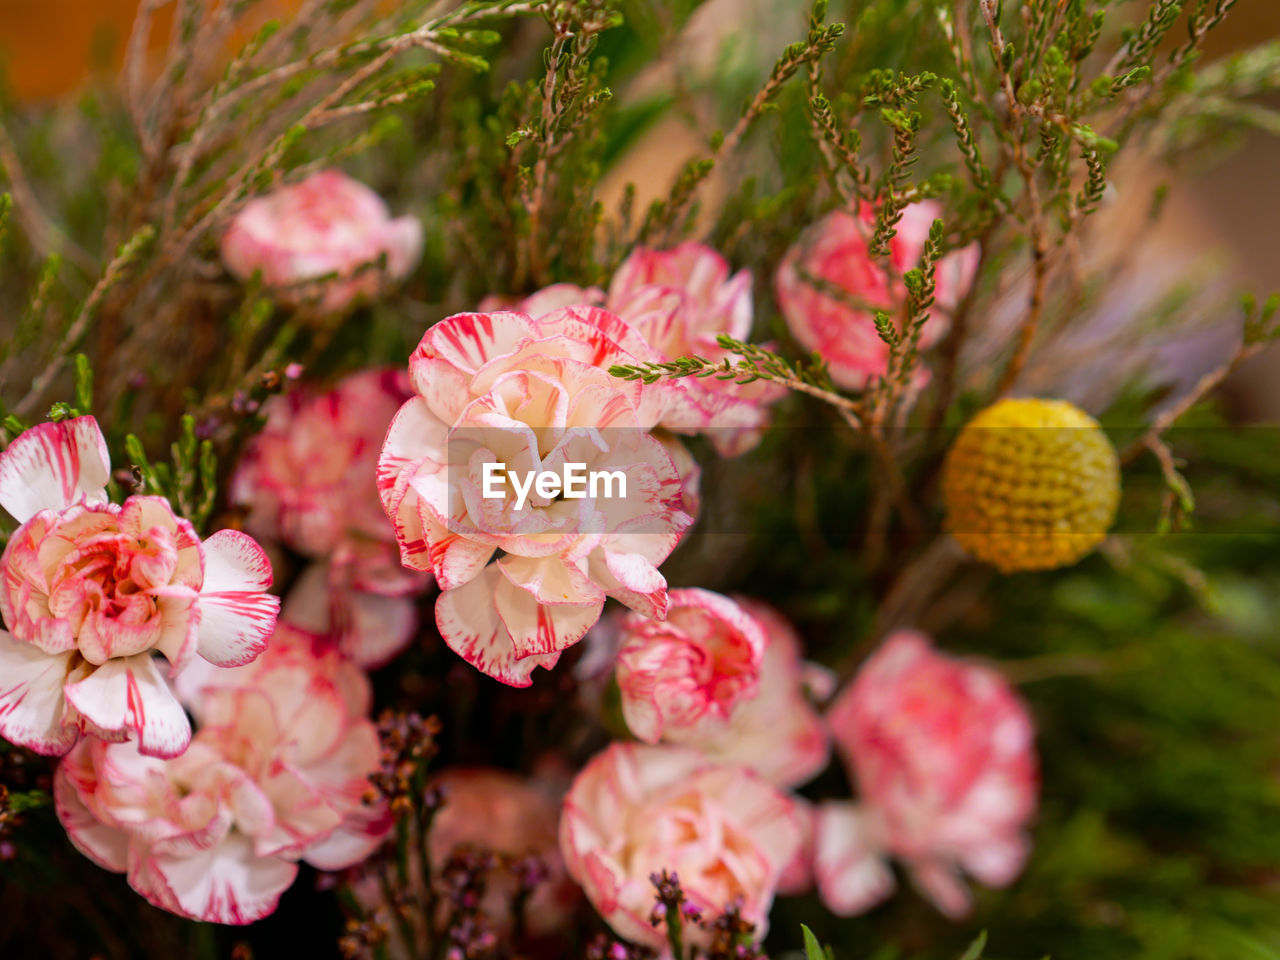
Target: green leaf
<point>84,384</point>
<point>976,948</point>
<point>813,950</point>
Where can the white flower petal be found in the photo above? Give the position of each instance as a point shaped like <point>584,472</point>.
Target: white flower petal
<point>32,705</point>
<point>52,466</point>
<point>236,616</point>
<point>469,623</point>
<point>130,694</point>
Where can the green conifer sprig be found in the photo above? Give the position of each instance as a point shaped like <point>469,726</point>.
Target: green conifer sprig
<point>979,172</point>
<point>753,362</point>
<point>189,480</point>
<point>921,284</point>
<point>1142,42</point>
<point>905,126</point>
<point>1095,184</point>
<point>664,215</point>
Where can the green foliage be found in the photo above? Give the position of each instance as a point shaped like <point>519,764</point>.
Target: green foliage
<point>813,950</point>
<point>189,480</point>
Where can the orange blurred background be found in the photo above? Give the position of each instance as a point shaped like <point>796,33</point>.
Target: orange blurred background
<point>49,47</point>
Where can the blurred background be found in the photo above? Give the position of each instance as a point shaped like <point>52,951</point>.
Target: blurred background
<point>51,47</point>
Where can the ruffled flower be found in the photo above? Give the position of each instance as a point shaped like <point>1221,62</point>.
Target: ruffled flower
<point>835,315</point>
<point>326,226</point>
<point>522,581</point>
<point>944,757</point>
<point>92,590</point>
<point>636,810</point>
<point>682,678</point>
<point>277,773</point>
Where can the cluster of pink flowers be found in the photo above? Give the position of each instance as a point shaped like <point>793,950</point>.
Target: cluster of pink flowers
<point>383,484</point>
<point>721,682</point>
<point>209,826</point>
<point>99,596</point>
<point>941,750</point>
<point>92,590</point>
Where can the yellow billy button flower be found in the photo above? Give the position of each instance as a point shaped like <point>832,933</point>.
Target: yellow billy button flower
<point>1030,485</point>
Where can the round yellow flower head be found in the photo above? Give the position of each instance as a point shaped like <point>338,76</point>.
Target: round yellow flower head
<point>1030,485</point>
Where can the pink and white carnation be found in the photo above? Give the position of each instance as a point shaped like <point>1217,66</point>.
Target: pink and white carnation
<point>777,732</point>
<point>309,480</point>
<point>681,300</point>
<point>636,810</point>
<point>327,226</point>
<point>533,395</point>
<point>277,773</point>
<point>944,757</point>
<point>839,322</point>
<point>682,678</point>
<point>92,591</point>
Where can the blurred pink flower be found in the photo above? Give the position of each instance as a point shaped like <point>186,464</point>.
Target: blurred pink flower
<point>361,598</point>
<point>309,480</point>
<point>841,325</point>
<point>849,865</point>
<point>533,395</point>
<point>943,753</point>
<point>777,732</point>
<point>277,772</point>
<point>492,811</point>
<point>514,817</point>
<point>636,810</point>
<point>92,589</point>
<point>329,224</point>
<point>682,678</point>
